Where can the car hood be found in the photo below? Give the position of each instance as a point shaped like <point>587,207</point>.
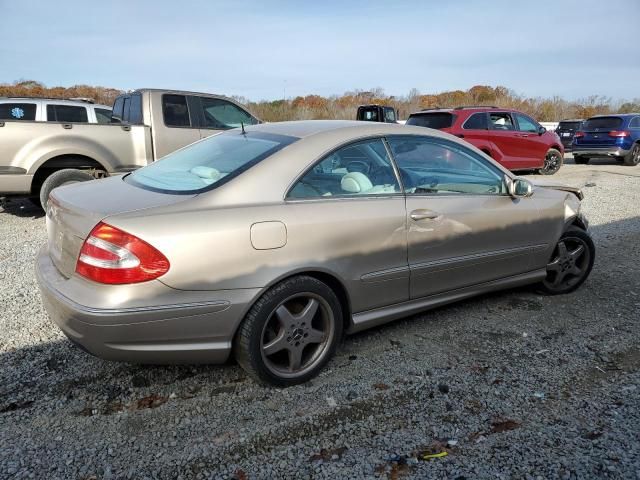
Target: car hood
<point>559,186</point>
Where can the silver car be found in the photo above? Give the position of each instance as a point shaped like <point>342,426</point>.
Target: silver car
<point>270,242</point>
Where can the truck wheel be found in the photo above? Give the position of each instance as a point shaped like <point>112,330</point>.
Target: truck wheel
<point>633,158</point>
<point>552,162</point>
<point>580,160</point>
<point>58,179</point>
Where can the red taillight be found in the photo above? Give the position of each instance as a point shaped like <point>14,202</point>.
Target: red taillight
<point>112,256</point>
<point>619,133</point>
<point>578,135</point>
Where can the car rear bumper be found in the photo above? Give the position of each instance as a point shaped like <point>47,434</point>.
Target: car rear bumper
<point>611,151</point>
<point>194,332</point>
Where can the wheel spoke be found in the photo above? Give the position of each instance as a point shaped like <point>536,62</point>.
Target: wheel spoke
<point>558,278</point>
<point>562,250</point>
<point>577,271</point>
<point>309,311</point>
<point>315,336</point>
<point>277,344</point>
<point>577,253</point>
<point>554,266</point>
<point>295,358</point>
<point>285,316</point>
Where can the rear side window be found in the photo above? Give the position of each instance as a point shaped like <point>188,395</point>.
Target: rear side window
<point>118,106</point>
<point>222,115</point>
<point>135,109</point>
<point>607,123</point>
<point>635,122</point>
<point>208,163</point>
<point>103,115</point>
<point>432,120</point>
<point>477,121</point>
<point>501,121</point>
<point>175,111</point>
<point>17,111</point>
<point>66,113</point>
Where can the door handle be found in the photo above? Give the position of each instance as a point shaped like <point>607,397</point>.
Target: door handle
<point>423,214</point>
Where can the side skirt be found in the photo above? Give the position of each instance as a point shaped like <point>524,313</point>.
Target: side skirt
<point>379,316</point>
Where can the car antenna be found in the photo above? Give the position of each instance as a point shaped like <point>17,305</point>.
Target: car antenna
<point>242,125</point>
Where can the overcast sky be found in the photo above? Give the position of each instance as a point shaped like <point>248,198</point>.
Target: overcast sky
<point>262,49</point>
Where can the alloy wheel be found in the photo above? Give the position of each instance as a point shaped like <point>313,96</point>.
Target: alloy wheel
<point>298,335</point>
<point>569,264</point>
<point>552,163</point>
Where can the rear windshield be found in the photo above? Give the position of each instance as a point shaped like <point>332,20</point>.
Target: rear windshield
<point>432,120</point>
<point>208,163</point>
<point>602,122</point>
<point>569,125</point>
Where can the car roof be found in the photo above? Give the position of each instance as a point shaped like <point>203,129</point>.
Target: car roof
<point>341,128</point>
<point>621,115</point>
<point>572,120</point>
<point>76,103</point>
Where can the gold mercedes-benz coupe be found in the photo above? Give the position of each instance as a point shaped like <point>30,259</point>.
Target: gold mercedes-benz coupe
<point>272,241</point>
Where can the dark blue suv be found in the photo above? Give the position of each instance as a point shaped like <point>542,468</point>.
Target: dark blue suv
<point>616,136</point>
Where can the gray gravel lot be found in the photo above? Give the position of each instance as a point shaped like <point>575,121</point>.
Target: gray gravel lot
<point>511,385</point>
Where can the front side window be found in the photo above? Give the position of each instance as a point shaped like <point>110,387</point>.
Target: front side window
<point>66,113</point>
<point>389,115</point>
<point>362,168</point>
<point>103,115</point>
<point>116,114</point>
<point>175,111</point>
<point>501,121</point>
<point>526,124</point>
<point>222,115</point>
<point>208,163</point>
<point>17,111</point>
<point>477,121</point>
<point>437,167</point>
<point>135,109</point>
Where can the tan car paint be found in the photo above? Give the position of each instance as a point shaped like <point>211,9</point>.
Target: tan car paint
<point>387,263</point>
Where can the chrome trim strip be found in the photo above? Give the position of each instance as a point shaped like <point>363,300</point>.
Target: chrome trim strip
<point>379,316</point>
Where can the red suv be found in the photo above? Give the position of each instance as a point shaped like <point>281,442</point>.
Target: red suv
<point>512,138</point>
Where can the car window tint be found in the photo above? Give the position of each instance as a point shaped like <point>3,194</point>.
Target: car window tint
<point>501,121</point>
<point>362,168</point>
<point>432,120</point>
<point>610,123</point>
<point>125,109</point>
<point>221,114</point>
<point>17,111</point>
<point>429,166</point>
<point>103,115</point>
<point>635,122</point>
<point>135,109</point>
<point>526,124</point>
<point>175,111</point>
<point>389,115</point>
<point>66,113</point>
<point>477,121</point>
<point>368,114</point>
<point>116,114</point>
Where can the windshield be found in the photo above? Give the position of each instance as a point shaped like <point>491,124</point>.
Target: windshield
<point>431,120</point>
<point>609,123</point>
<point>211,162</point>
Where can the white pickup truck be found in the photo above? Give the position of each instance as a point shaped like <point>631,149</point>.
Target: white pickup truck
<point>145,125</point>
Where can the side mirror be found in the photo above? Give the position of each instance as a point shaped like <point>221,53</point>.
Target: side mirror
<point>518,187</point>
<point>541,130</point>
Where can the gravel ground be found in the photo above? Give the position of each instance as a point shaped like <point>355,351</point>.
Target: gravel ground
<point>511,385</point>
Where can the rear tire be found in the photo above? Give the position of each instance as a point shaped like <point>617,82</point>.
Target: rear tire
<point>60,178</point>
<point>290,333</point>
<point>580,160</point>
<point>633,158</point>
<point>552,162</point>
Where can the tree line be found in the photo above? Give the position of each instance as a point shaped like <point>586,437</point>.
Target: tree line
<point>344,106</point>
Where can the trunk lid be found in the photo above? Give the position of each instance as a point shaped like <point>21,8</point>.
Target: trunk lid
<point>75,209</point>
<point>596,131</point>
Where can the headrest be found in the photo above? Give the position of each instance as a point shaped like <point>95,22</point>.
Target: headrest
<point>355,182</point>
<point>207,173</point>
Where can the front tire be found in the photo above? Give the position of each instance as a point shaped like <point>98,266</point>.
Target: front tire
<point>290,333</point>
<point>60,178</point>
<point>570,263</point>
<point>552,162</point>
<point>633,158</point>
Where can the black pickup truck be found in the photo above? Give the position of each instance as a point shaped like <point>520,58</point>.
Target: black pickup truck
<point>377,113</point>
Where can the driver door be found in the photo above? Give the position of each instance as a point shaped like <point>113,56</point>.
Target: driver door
<point>463,228</point>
